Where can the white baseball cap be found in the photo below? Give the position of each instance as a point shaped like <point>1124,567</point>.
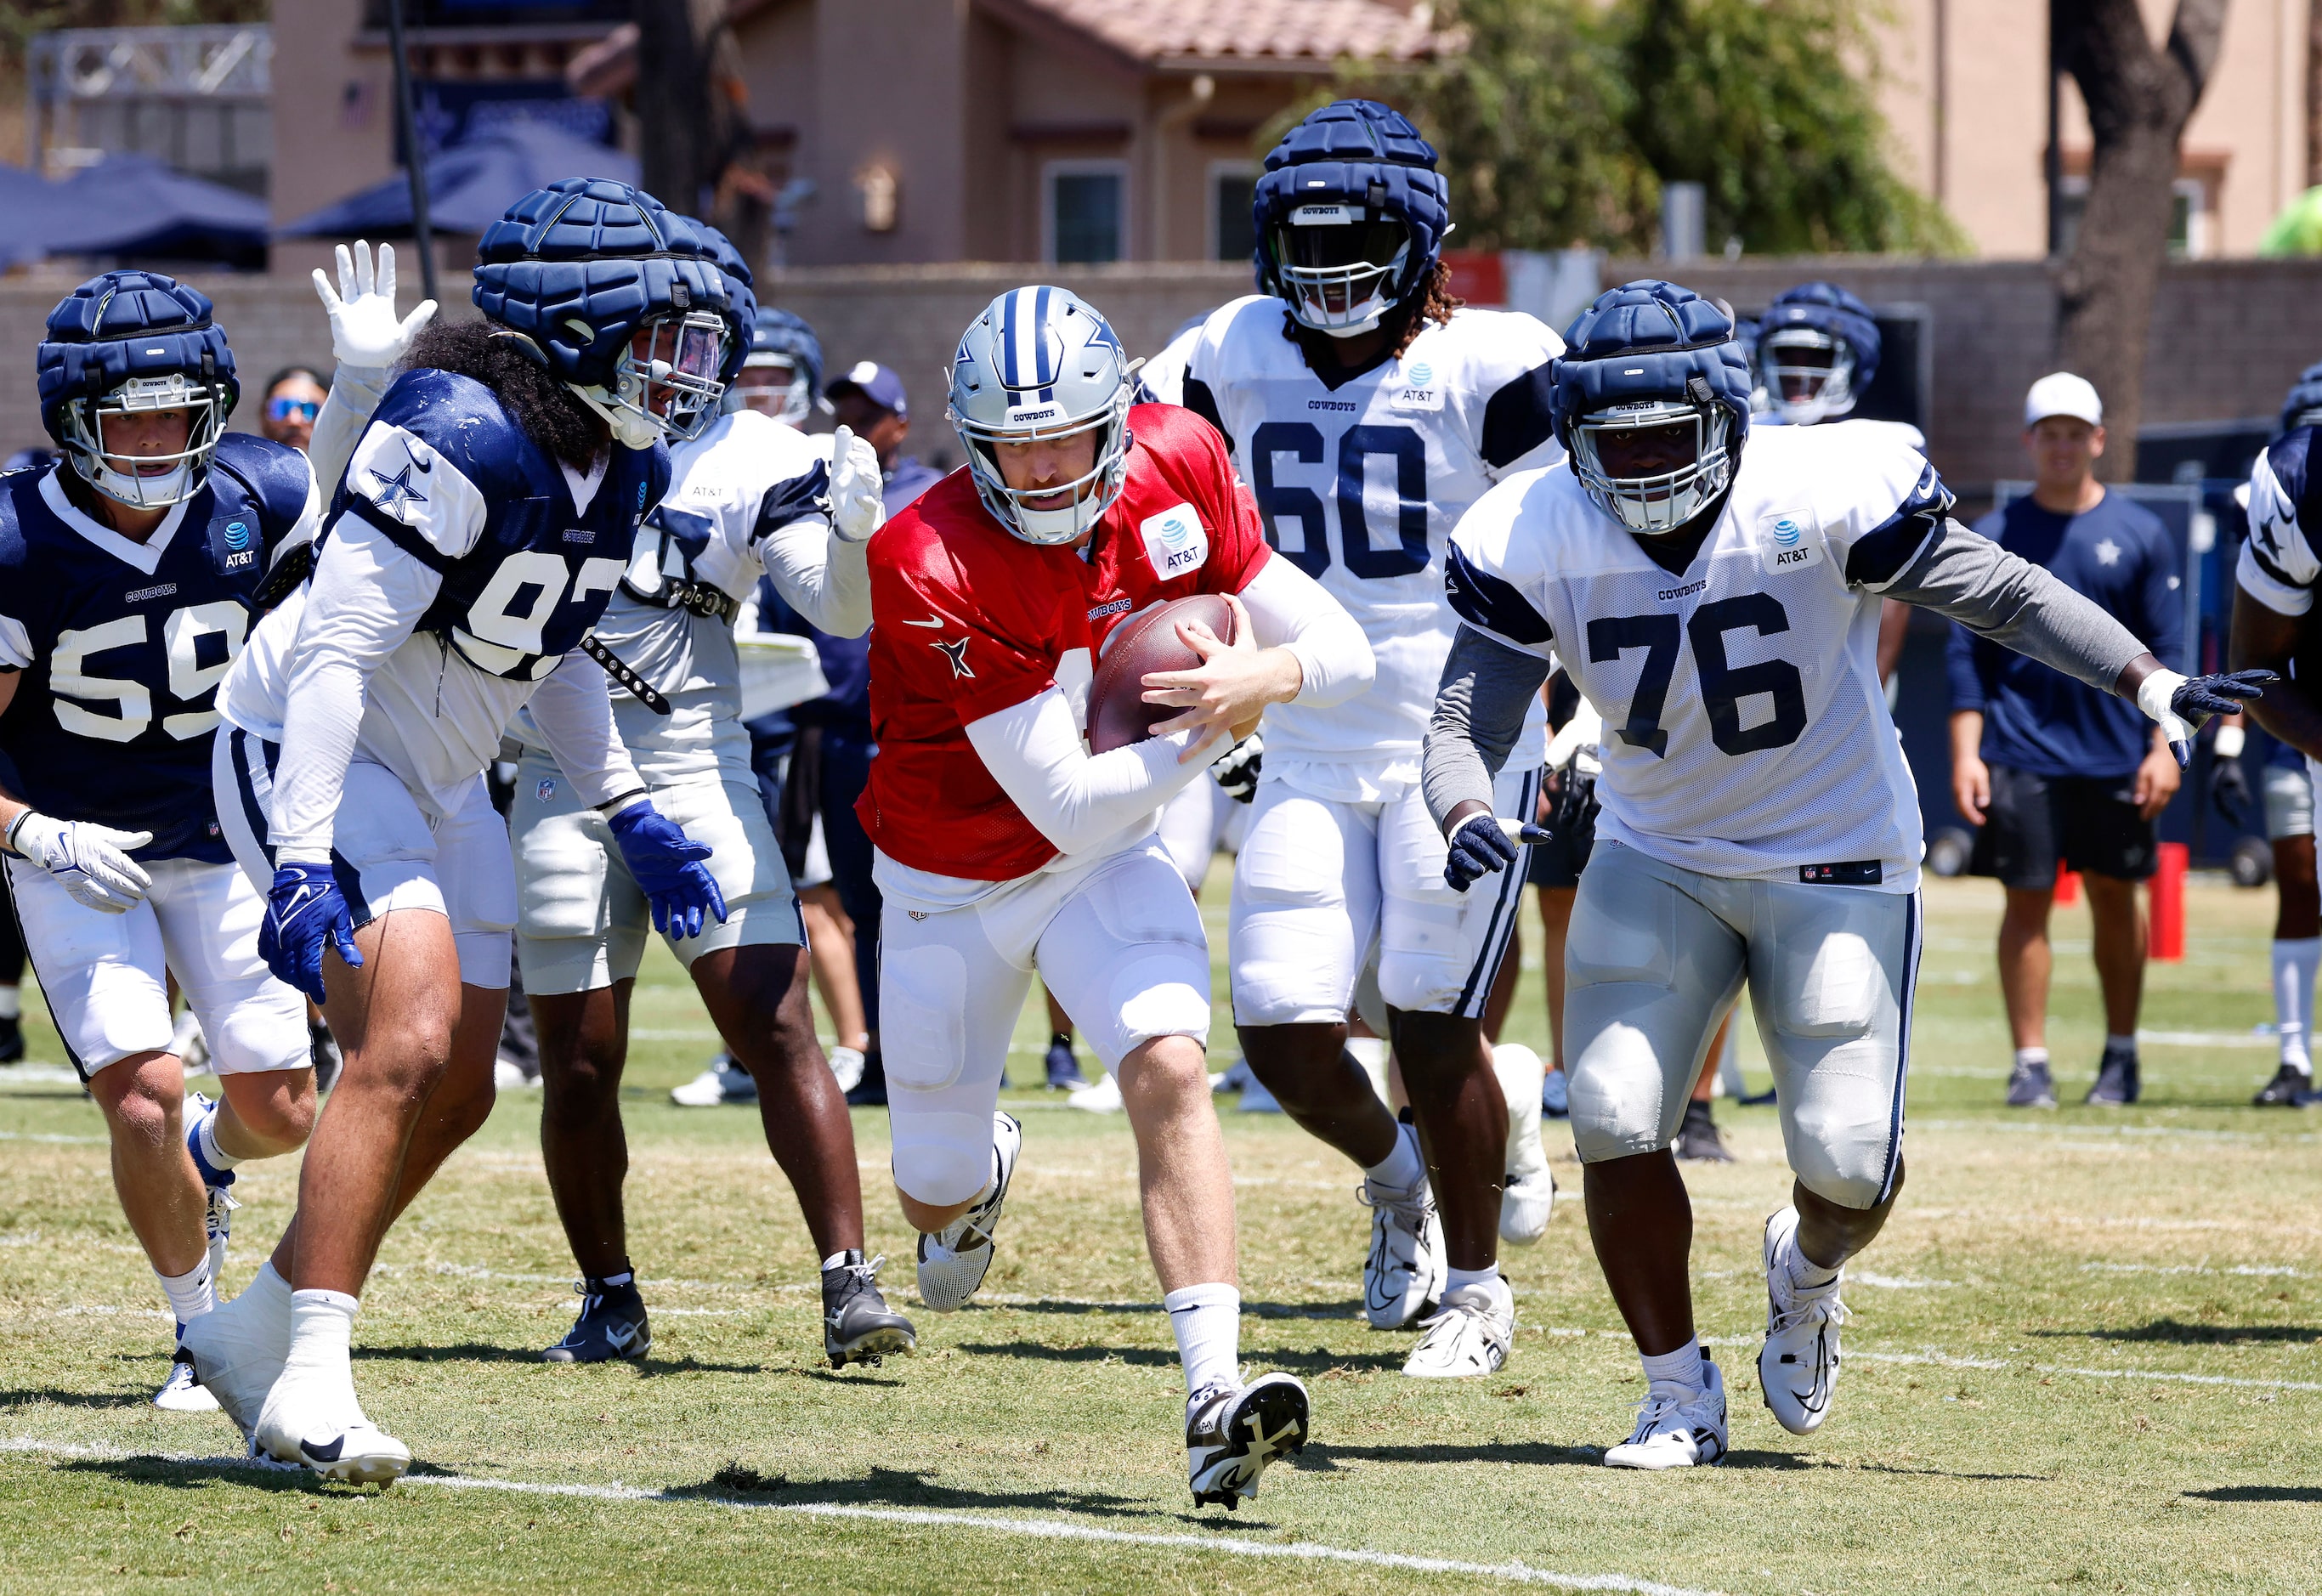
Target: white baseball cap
<point>2060,393</point>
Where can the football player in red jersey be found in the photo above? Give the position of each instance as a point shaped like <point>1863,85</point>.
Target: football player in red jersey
<point>1003,846</point>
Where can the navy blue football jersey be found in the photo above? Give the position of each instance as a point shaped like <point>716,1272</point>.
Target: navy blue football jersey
<point>450,478</point>
<point>122,645</point>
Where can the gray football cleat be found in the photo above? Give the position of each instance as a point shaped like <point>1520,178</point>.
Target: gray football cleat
<point>857,1325</point>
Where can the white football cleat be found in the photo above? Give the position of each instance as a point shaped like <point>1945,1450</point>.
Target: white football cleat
<point>183,1392</point>
<point>724,1082</point>
<point>306,1424</point>
<point>1469,1334</point>
<point>1676,1429</point>
<point>1101,1096</point>
<point>1233,1432</point>
<point>1797,1368</point>
<point>508,1075</point>
<point>238,1348</point>
<point>954,1261</point>
<point>845,1067</point>
<point>1528,1195</point>
<point>1403,1272</point>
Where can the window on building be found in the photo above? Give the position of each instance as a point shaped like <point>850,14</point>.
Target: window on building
<point>1086,214</point>
<point>1232,186</point>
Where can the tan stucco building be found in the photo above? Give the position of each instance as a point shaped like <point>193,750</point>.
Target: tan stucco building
<point>1965,90</point>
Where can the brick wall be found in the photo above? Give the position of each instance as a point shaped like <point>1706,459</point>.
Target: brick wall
<point>2231,334</point>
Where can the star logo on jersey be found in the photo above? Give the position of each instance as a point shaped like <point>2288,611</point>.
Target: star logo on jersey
<point>397,491</point>
<point>957,652</point>
<point>2107,552</point>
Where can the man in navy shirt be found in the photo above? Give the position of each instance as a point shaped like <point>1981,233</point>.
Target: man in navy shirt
<point>2055,773</point>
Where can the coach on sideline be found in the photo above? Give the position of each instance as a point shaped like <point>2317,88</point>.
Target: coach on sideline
<point>2054,772</point>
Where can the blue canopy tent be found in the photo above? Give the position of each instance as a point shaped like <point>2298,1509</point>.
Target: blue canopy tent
<point>134,206</point>
<point>468,184</point>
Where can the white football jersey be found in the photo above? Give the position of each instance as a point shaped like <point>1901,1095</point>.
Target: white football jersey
<point>1897,431</point>
<point>1746,731</point>
<point>747,497</point>
<point>1164,375</point>
<point>1359,483</point>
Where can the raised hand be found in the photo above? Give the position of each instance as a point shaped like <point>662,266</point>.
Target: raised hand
<point>364,330</point>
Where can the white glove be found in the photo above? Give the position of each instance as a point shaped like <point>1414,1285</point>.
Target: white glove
<point>364,331</point>
<point>92,861</point>
<point>1585,729</point>
<point>858,491</point>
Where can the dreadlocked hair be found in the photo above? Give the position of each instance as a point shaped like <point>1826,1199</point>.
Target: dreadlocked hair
<point>1433,301</point>
<point>491,353</point>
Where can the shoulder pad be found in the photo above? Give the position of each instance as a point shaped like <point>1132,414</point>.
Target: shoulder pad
<point>276,476</point>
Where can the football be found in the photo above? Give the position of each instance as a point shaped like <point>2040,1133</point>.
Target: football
<point>1118,714</point>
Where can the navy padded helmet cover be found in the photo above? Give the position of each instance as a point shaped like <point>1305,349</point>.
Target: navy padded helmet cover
<point>784,333</point>
<point>1827,308</point>
<point>1648,340</point>
<point>121,325</point>
<point>1355,152</point>
<point>2304,394</point>
<point>577,265</point>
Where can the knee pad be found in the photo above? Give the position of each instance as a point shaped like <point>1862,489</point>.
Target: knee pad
<point>1425,981</point>
<point>1619,1093</point>
<point>939,1158</point>
<point>1851,1171</point>
<point>1153,998</point>
<point>923,1024</point>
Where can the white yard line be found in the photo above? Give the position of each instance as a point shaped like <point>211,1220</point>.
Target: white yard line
<point>2268,1269</point>
<point>1945,1361</point>
<point>1059,1530</point>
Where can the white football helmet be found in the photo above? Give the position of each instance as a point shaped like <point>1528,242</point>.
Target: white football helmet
<point>1041,363</point>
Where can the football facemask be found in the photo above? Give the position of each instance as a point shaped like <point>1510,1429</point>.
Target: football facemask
<point>1652,465</point>
<point>153,480</point>
<point>665,384</point>
<point>773,385</point>
<point>1809,375</point>
<point>1337,270</point>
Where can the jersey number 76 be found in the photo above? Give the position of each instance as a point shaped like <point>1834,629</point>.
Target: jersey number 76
<point>1722,685</point>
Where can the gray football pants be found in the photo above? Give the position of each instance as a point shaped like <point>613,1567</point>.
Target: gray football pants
<point>1657,954</point>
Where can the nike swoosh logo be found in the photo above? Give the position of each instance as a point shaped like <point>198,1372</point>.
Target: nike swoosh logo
<point>623,1337</point>
<point>938,623</point>
<point>325,1453</point>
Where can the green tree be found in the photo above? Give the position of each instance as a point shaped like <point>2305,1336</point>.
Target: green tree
<point>1560,118</point>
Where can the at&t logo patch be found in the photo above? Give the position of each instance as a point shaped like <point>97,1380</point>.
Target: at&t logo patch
<point>1788,541</point>
<point>1175,540</point>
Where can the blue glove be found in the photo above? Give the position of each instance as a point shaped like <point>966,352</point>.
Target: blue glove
<point>667,864</point>
<point>306,912</point>
<point>2177,703</point>
<point>1479,846</point>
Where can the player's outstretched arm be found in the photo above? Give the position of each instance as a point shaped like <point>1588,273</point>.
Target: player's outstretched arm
<point>2022,606</point>
<point>1077,798</point>
<point>367,340</point>
<point>1480,706</point>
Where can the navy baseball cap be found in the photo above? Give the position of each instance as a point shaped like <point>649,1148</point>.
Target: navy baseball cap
<point>876,383</point>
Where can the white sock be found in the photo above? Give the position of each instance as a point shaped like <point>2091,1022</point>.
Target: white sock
<point>2119,1044</point>
<point>1399,1170</point>
<point>215,1156</point>
<point>267,1295</point>
<point>2294,960</point>
<point>191,1294</point>
<point>11,1002</point>
<point>1676,1371</point>
<point>2026,1057</point>
<point>322,1334</point>
<point>1808,1276</point>
<point>1207,1323</point>
<point>833,1262</point>
<point>1453,1279</point>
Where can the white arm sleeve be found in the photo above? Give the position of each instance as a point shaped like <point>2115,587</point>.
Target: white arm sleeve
<point>1290,610</point>
<point>355,393</point>
<point>367,596</point>
<point>1075,798</point>
<point>824,578</point>
<point>573,707</point>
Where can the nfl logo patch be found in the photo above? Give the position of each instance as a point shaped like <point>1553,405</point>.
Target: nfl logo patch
<point>547,790</point>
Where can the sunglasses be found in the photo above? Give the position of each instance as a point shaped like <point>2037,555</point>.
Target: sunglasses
<point>292,409</point>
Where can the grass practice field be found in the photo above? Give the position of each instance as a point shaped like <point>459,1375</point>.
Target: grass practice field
<point>2085,1355</point>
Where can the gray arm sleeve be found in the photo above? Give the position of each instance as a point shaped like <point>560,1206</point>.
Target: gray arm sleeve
<point>2015,604</point>
<point>1480,705</point>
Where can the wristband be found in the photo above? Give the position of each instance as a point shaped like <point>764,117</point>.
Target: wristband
<point>2229,742</point>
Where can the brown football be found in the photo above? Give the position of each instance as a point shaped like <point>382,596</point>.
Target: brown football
<point>1118,714</point>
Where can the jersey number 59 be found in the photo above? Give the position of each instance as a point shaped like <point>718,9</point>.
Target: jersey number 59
<point>199,642</point>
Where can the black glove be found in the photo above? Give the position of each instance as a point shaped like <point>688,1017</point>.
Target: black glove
<point>2197,697</point>
<point>2229,787</point>
<point>1237,772</point>
<point>1479,846</point>
<point>1574,796</point>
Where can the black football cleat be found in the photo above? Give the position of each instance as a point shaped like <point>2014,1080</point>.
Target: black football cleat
<point>12,1040</point>
<point>2117,1084</point>
<point>1698,1138</point>
<point>1233,1432</point>
<point>612,1325</point>
<point>857,1325</point>
<point>2284,1090</point>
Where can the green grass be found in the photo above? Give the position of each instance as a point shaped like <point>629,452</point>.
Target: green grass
<point>2029,1401</point>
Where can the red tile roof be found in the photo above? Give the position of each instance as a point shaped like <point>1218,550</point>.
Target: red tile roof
<point>1307,33</point>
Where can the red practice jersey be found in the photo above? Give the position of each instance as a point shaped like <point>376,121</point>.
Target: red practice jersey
<point>967,619</point>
